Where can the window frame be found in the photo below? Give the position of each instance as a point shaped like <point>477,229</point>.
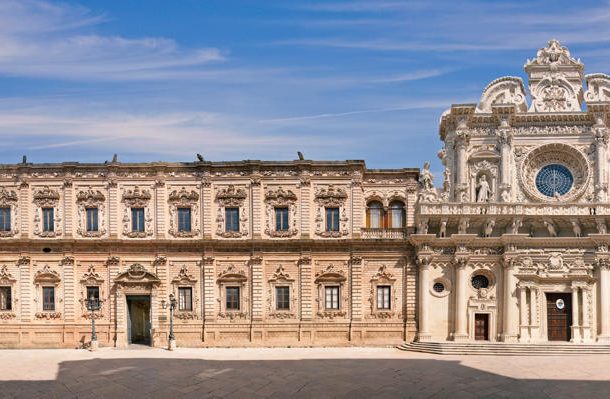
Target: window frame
<point>135,219</point>
<point>49,306</point>
<point>332,223</point>
<point>335,300</point>
<point>92,226</point>
<point>184,226</point>
<point>5,219</point>
<point>284,298</point>
<point>6,301</point>
<point>232,214</point>
<point>232,308</point>
<point>384,301</point>
<point>185,304</point>
<point>48,222</point>
<point>283,223</point>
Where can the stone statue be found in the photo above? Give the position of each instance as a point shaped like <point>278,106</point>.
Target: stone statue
<point>426,178</point>
<point>576,228</point>
<point>551,228</point>
<point>602,228</point>
<point>422,226</point>
<point>488,228</point>
<point>446,179</point>
<point>483,190</point>
<point>463,226</point>
<point>513,228</point>
<point>442,232</point>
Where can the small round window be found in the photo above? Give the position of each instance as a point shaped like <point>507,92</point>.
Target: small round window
<point>480,281</point>
<point>438,287</point>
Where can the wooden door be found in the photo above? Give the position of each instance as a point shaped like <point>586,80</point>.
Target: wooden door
<point>559,316</point>
<point>481,326</point>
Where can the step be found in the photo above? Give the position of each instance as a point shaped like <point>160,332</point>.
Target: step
<point>508,349</point>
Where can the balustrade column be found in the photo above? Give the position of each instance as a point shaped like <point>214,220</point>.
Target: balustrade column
<point>601,147</point>
<point>604,292</point>
<point>461,332</point>
<point>575,316</point>
<point>523,321</point>
<point>424,303</point>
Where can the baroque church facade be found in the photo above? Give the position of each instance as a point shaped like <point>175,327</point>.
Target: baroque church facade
<point>513,247</point>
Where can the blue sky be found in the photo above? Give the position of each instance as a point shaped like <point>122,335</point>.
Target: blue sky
<point>159,80</point>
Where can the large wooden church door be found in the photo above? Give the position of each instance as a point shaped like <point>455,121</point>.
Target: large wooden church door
<point>481,327</point>
<point>559,315</point>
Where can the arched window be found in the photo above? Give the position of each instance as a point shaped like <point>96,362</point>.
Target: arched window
<point>375,215</point>
<point>397,215</point>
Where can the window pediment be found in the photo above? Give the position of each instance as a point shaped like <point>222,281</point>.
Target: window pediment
<point>184,277</point>
<point>383,275</point>
<point>280,197</point>
<point>7,197</point>
<point>231,196</point>
<point>183,196</point>
<point>136,197</point>
<point>331,196</point>
<point>280,275</point>
<point>232,274</point>
<point>90,196</point>
<point>46,275</point>
<point>91,277</point>
<point>5,276</point>
<point>330,275</point>
<point>46,196</point>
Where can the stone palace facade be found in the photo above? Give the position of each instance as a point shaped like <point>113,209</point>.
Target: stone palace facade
<point>255,253</point>
<point>513,247</point>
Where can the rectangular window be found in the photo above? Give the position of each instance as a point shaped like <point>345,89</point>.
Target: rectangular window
<point>5,219</point>
<point>48,298</point>
<point>281,219</point>
<point>332,298</point>
<point>383,297</point>
<point>92,219</point>
<point>93,292</point>
<point>232,298</point>
<point>332,219</point>
<point>184,220</point>
<point>231,219</point>
<point>48,221</point>
<point>185,298</point>
<point>137,219</point>
<point>282,298</point>
<point>5,298</point>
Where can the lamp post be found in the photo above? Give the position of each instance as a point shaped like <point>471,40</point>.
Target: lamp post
<point>93,305</point>
<point>172,339</point>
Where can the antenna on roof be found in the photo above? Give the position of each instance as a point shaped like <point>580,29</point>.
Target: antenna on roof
<point>301,157</point>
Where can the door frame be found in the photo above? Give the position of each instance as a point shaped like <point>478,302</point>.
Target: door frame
<point>491,313</point>
<point>128,298</point>
<point>488,322</point>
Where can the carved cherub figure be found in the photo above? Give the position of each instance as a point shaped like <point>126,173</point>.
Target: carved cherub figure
<point>550,227</point>
<point>602,228</point>
<point>488,227</point>
<point>442,232</point>
<point>463,226</point>
<point>513,227</point>
<point>576,228</point>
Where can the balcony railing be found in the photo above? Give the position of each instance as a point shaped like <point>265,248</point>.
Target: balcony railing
<point>395,234</point>
<point>499,209</point>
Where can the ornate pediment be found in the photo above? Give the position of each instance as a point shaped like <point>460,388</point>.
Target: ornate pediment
<point>554,54</point>
<point>502,91</point>
<point>90,196</point>
<point>46,196</point>
<point>383,274</point>
<point>136,197</point>
<point>46,275</point>
<point>8,196</point>
<point>331,196</point>
<point>232,274</point>
<point>91,277</point>
<point>280,275</point>
<point>330,274</point>
<point>5,276</point>
<point>184,277</point>
<point>231,196</point>
<point>184,196</point>
<point>137,274</point>
<point>280,196</point>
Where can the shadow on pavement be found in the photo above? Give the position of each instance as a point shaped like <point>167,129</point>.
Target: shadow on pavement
<point>324,378</point>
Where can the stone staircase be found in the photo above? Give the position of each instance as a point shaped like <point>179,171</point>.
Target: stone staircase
<point>505,349</point>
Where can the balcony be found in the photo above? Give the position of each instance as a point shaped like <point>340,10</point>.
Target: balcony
<point>384,234</point>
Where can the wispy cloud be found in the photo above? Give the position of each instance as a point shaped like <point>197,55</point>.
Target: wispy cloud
<point>41,39</point>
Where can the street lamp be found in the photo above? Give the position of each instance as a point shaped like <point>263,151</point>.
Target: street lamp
<point>172,338</point>
<point>93,305</point>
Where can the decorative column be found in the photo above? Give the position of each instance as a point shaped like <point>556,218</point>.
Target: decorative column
<point>604,298</point>
<point>575,315</point>
<point>423,333</point>
<point>523,321</point>
<point>505,140</point>
<point>534,322</point>
<point>461,171</point>
<point>510,320</point>
<point>461,332</point>
<point>586,320</point>
<point>601,158</point>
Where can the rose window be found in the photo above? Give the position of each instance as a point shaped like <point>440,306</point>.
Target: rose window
<point>554,179</point>
<point>480,281</point>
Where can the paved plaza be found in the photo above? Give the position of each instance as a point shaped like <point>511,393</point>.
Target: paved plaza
<point>295,373</point>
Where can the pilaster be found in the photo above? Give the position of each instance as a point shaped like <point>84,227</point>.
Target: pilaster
<point>68,214</point>
<point>256,268</point>
<point>305,283</point>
